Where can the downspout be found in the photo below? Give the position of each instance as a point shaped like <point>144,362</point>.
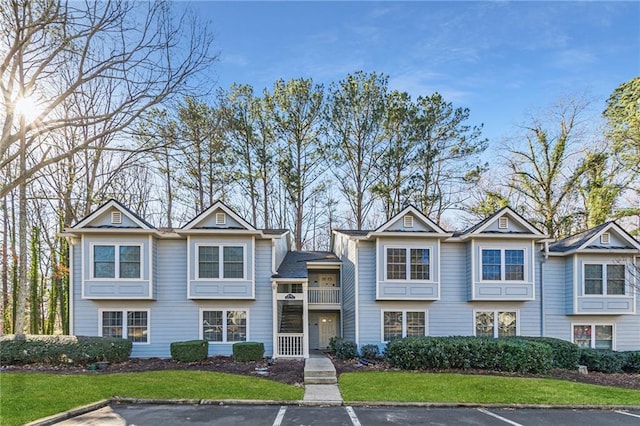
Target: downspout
<point>543,324</point>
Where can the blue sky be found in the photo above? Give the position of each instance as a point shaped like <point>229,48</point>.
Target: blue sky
<point>501,60</point>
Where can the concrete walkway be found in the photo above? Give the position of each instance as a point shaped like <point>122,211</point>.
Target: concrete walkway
<point>320,382</point>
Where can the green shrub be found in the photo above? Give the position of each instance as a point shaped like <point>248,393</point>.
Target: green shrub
<point>72,350</point>
<point>566,355</point>
<point>603,360</point>
<point>632,362</point>
<point>343,349</point>
<point>415,353</point>
<point>190,350</point>
<point>370,351</point>
<point>248,351</point>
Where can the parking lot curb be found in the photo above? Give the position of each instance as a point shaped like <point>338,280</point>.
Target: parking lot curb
<point>74,412</point>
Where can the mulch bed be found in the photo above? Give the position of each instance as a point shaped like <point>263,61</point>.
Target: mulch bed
<point>291,371</point>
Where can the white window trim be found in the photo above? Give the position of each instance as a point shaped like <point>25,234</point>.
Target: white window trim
<point>495,319</point>
<point>221,247</point>
<point>116,261</point>
<point>404,321</point>
<point>224,329</point>
<point>408,264</point>
<point>525,275</point>
<point>125,327</point>
<point>604,280</point>
<point>593,332</point>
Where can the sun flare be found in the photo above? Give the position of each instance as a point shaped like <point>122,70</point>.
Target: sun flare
<point>28,108</point>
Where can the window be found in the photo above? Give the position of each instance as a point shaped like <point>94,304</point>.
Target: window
<point>399,324</point>
<point>413,263</point>
<point>136,328</point>
<point>594,284</point>
<point>493,261</point>
<point>593,336</point>
<point>224,326</point>
<point>212,266</point>
<point>496,324</point>
<point>107,265</point>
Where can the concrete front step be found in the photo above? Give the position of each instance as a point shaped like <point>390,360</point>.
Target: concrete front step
<point>322,380</point>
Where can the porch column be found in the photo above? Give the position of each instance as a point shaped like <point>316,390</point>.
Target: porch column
<point>305,318</point>
<point>274,311</point>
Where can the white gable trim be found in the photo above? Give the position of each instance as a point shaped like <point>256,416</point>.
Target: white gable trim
<point>513,216</point>
<point>621,233</point>
<point>218,205</point>
<point>109,205</point>
<point>417,214</point>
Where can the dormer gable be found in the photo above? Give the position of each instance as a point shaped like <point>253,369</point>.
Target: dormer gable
<point>503,222</point>
<point>219,217</point>
<point>410,219</point>
<point>608,237</point>
<point>112,215</point>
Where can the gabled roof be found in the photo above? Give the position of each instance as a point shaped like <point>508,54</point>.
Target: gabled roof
<point>218,205</point>
<point>481,227</point>
<point>85,222</point>
<point>587,240</point>
<point>415,213</point>
<point>294,265</point>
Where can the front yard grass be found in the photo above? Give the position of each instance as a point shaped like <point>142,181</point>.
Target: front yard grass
<point>432,387</point>
<point>26,397</point>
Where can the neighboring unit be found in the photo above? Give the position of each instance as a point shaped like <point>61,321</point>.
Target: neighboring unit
<point>220,279</point>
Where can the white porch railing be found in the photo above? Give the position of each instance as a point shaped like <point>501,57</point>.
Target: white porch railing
<point>324,296</point>
<point>290,345</point>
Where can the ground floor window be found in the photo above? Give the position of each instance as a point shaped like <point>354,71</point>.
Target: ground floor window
<point>496,323</point>
<point>123,324</point>
<point>398,324</point>
<point>597,336</point>
<point>224,325</point>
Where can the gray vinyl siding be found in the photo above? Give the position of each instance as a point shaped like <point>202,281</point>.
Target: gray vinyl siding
<point>281,248</point>
<point>368,310</point>
<point>569,283</point>
<point>345,249</point>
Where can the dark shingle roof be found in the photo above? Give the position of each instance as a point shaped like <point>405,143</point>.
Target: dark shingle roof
<point>294,264</point>
<point>274,231</point>
<point>354,232</point>
<point>575,241</point>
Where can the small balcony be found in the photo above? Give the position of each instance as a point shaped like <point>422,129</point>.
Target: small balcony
<point>321,298</point>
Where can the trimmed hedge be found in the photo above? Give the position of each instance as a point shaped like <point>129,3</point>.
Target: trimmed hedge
<point>370,351</point>
<point>248,351</point>
<point>343,349</point>
<point>566,355</point>
<point>415,353</point>
<point>603,360</point>
<point>190,350</point>
<point>632,364</point>
<point>71,350</point>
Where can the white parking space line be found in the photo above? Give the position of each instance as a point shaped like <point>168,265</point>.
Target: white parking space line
<point>352,416</point>
<point>280,416</point>
<point>489,413</point>
<point>628,414</point>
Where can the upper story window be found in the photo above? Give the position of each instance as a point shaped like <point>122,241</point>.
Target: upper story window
<point>502,265</point>
<point>220,262</point>
<point>408,263</point>
<point>596,284</point>
<point>116,261</point>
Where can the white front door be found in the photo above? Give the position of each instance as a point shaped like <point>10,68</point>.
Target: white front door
<point>328,328</point>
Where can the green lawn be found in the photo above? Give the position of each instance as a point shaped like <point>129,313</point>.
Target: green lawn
<point>424,387</point>
<point>29,396</point>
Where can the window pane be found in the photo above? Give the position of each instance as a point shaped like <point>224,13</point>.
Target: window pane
<point>484,324</point>
<point>129,261</point>
<point>582,335</point>
<point>592,279</point>
<point>604,337</point>
<point>112,324</point>
<point>514,265</point>
<point>104,265</point>
<point>137,326</point>
<point>233,262</point>
<point>506,324</point>
<point>420,264</point>
<point>415,324</point>
<point>396,264</point>
<point>236,326</point>
<point>212,326</point>
<point>491,264</point>
<point>392,326</point>
<point>208,262</point>
<point>615,279</point>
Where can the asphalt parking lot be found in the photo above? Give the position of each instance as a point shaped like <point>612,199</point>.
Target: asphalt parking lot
<point>274,415</point>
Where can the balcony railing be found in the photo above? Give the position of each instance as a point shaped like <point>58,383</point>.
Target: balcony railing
<point>290,345</point>
<point>324,296</point>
